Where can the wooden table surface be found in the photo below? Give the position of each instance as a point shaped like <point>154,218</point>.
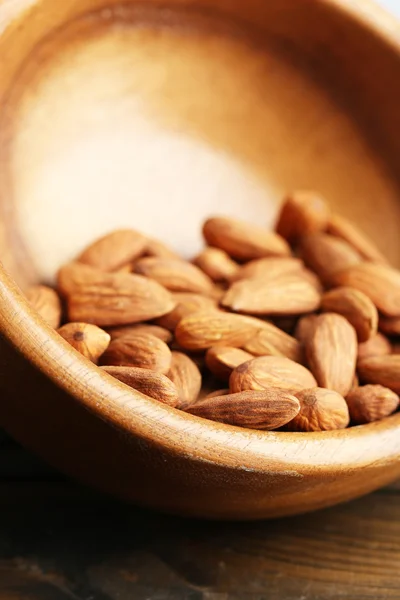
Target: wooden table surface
<point>59,541</point>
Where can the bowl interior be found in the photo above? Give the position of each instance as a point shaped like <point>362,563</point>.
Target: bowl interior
<point>154,116</point>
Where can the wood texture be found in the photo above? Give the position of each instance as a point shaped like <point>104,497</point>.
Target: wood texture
<point>68,544</point>
<point>278,86</point>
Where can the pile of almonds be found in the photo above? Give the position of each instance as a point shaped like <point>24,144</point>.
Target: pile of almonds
<point>293,329</point>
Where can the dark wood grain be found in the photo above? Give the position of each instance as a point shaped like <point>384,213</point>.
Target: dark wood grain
<point>59,541</point>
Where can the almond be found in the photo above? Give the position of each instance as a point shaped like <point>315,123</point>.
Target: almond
<point>389,325</point>
<point>271,341</point>
<point>141,350</point>
<point>152,384</point>
<point>186,376</point>
<point>202,330</point>
<point>216,264</point>
<point>270,371</point>
<point>378,345</point>
<point>342,228</point>
<point>175,275</point>
<point>160,332</point>
<point>305,328</point>
<point>221,360</point>
<point>267,409</point>
<point>89,340</point>
<point>302,213</point>
<point>111,298</point>
<point>268,266</point>
<point>46,302</point>
<point>356,307</point>
<point>223,392</point>
<point>331,351</point>
<point>320,410</point>
<point>186,304</point>
<point>286,294</point>
<point>114,250</point>
<point>242,240</point>
<point>326,255</point>
<point>382,370</point>
<point>370,403</point>
<point>380,283</point>
<point>396,348</point>
<point>159,249</point>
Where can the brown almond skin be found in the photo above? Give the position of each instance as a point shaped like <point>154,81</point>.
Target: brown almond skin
<point>141,350</point>
<point>320,410</point>
<point>175,275</point>
<point>331,352</point>
<point>185,374</point>
<point>378,345</point>
<point>152,384</point>
<point>270,266</point>
<point>272,341</point>
<point>216,264</point>
<point>114,250</point>
<point>343,229</point>
<point>389,325</point>
<point>108,299</point>
<point>381,370</point>
<point>370,403</point>
<point>396,348</point>
<point>160,332</point>
<point>380,283</point>
<point>242,240</point>
<point>47,303</point>
<point>202,330</point>
<point>186,304</point>
<point>221,360</point>
<point>266,410</point>
<point>89,340</point>
<point>287,294</point>
<point>325,255</point>
<point>304,328</point>
<point>266,372</point>
<point>302,213</point>
<point>356,307</point>
<point>223,392</point>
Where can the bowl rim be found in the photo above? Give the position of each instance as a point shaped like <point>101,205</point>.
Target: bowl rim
<point>182,433</point>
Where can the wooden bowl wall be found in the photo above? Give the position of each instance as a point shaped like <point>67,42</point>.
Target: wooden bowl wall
<point>152,115</point>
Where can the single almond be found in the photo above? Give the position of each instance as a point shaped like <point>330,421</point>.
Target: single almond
<point>160,332</point>
<point>378,345</point>
<point>114,250</point>
<point>216,264</point>
<point>380,283</point>
<point>343,229</point>
<point>186,376</point>
<point>186,304</point>
<point>305,328</point>
<point>286,294</point>
<point>94,296</point>
<point>356,307</point>
<point>331,352</point>
<point>302,213</point>
<point>141,350</point>
<point>275,265</point>
<point>221,360</point>
<point>266,372</point>
<point>320,410</point>
<point>152,384</point>
<point>242,240</point>
<point>267,409</point>
<point>175,275</point>
<point>325,255</point>
<point>46,302</point>
<point>382,370</point>
<point>370,403</point>
<point>89,340</point>
<point>389,325</point>
<point>202,330</point>
<point>272,341</point>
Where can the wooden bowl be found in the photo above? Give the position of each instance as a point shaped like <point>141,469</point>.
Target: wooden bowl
<point>153,115</point>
